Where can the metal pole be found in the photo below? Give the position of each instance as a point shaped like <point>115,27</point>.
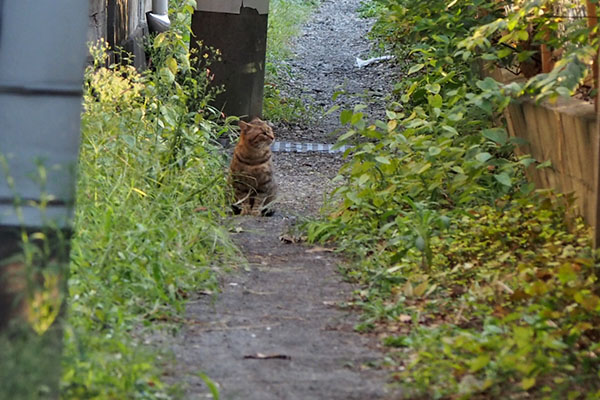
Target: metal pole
<point>158,18</point>
<point>238,28</point>
<point>160,7</point>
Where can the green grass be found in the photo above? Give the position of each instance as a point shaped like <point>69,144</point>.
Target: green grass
<point>370,9</point>
<point>151,203</point>
<point>29,363</point>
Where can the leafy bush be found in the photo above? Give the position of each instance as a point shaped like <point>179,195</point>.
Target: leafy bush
<point>483,283</point>
<point>149,219</point>
<point>511,306</point>
<point>516,40</point>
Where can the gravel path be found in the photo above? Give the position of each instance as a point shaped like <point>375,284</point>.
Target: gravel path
<point>283,305</point>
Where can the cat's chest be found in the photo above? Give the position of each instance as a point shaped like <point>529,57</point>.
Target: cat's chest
<point>252,163</point>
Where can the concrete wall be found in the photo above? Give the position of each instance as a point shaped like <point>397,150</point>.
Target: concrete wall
<point>122,23</point>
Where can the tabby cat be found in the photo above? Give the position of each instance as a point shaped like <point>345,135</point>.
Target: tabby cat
<point>252,169</point>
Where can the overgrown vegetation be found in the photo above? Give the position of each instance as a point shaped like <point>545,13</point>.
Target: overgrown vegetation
<point>285,20</point>
<point>483,286</point>
<point>149,220</point>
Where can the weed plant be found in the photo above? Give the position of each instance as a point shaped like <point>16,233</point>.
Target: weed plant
<point>149,220</point>
<point>483,287</point>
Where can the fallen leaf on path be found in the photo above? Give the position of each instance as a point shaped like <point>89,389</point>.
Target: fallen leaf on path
<point>318,249</point>
<point>405,318</point>
<point>260,356</point>
<point>288,239</point>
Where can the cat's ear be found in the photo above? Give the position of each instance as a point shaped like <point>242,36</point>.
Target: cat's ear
<point>243,125</point>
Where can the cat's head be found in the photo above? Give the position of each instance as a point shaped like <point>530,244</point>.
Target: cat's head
<point>256,133</point>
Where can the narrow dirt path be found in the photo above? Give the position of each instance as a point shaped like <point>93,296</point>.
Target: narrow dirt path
<point>284,303</point>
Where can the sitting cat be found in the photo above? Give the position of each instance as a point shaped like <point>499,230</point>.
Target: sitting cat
<point>251,169</point>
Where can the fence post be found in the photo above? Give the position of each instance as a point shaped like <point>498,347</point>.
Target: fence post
<point>592,22</point>
<point>42,55</point>
<point>238,28</point>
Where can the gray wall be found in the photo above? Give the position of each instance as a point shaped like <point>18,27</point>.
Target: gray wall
<point>122,23</point>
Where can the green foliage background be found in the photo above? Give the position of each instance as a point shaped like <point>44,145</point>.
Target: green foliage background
<point>150,218</point>
<point>482,286</point>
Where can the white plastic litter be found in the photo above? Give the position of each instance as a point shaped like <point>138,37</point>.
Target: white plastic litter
<point>360,63</point>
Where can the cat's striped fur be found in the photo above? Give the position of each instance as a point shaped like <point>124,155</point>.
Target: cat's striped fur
<point>251,169</point>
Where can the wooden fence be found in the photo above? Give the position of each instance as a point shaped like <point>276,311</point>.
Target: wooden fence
<point>565,133</point>
<point>122,23</point>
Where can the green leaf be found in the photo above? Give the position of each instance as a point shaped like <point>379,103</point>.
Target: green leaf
<point>346,116</point>
<point>523,35</point>
<point>504,52</point>
<point>172,65</point>
<point>434,151</point>
<point>333,109</point>
<point>346,135</point>
<point>523,335</point>
<point>528,383</point>
<point>450,129</point>
<point>504,179</point>
<point>382,159</point>
<point>167,75</point>
<point>483,157</point>
<point>422,287</point>
<point>356,118</point>
<point>435,101</point>
<point>353,197</point>
<point>479,362</point>
<point>214,390</point>
<point>526,189</point>
<point>519,141</point>
<point>488,84</point>
<point>160,38</point>
<point>563,91</point>
<point>415,68</point>
<point>566,273</point>
<point>545,164</point>
<point>396,341</point>
<point>455,116</point>
<point>424,168</point>
<point>420,243</point>
<point>496,135</point>
<point>527,161</point>
<point>363,178</point>
<point>433,88</point>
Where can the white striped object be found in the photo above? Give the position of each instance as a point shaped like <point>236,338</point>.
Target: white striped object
<point>306,147</point>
